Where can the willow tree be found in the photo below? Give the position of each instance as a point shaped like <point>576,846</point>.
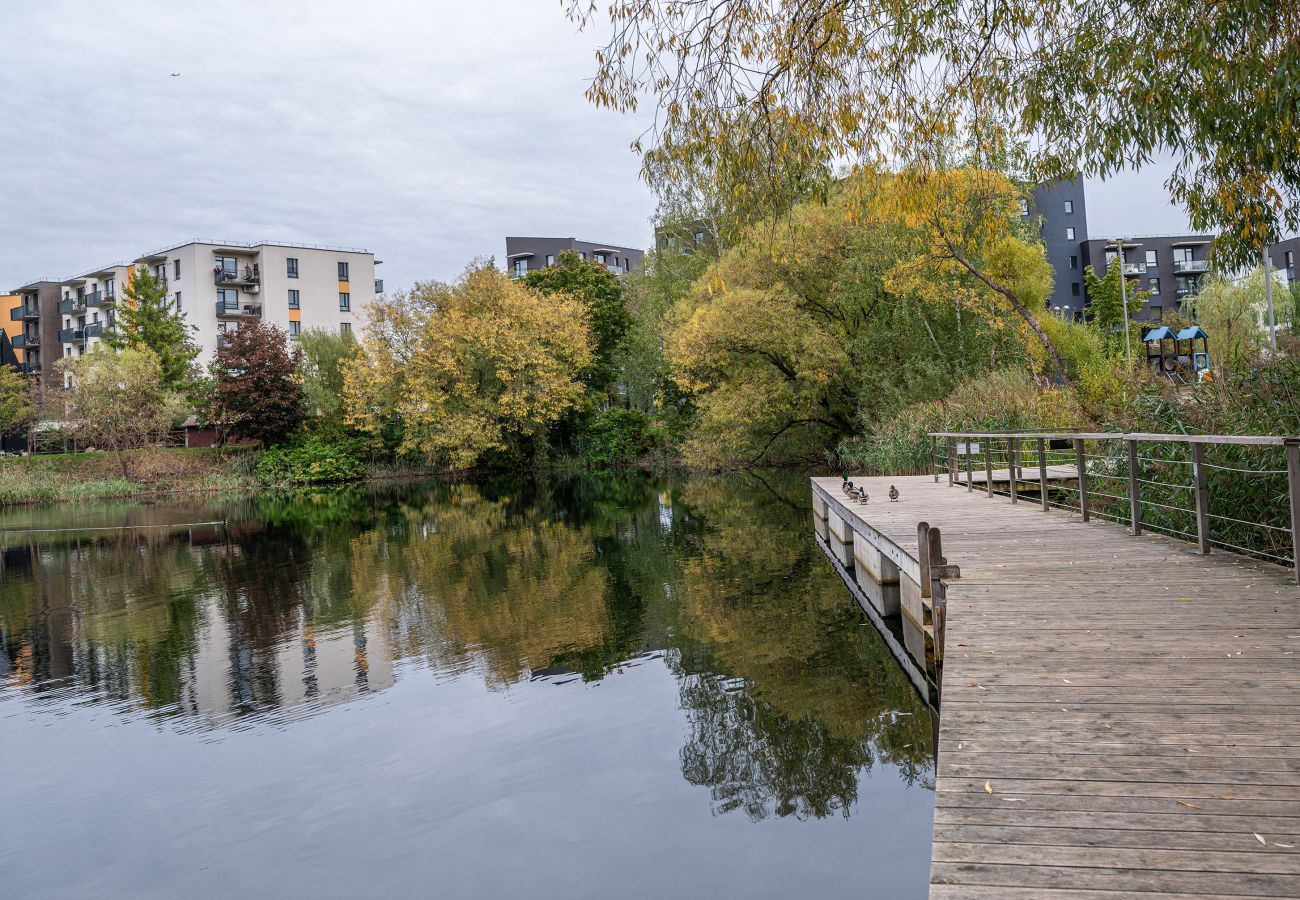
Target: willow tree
<point>1100,86</point>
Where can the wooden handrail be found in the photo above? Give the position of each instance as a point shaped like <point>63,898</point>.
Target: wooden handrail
<point>1266,440</point>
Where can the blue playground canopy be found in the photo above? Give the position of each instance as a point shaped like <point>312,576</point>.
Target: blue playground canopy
<point>1163,333</point>
<point>1191,333</point>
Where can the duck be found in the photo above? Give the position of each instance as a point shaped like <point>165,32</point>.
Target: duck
<point>861,495</point>
<point>893,494</point>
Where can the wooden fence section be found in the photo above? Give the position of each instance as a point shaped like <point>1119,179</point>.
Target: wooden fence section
<point>1120,715</point>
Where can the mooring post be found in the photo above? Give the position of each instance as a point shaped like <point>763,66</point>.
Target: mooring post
<point>1293,482</point>
<point>1042,471</point>
<point>923,557</point>
<point>1134,501</point>
<point>1013,462</point>
<point>988,467</point>
<point>1202,497</point>
<point>970,483</point>
<point>1081,463</point>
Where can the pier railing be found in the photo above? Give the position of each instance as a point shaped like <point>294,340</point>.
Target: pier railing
<point>1236,493</point>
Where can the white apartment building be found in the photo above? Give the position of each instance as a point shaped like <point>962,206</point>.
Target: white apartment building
<point>218,284</point>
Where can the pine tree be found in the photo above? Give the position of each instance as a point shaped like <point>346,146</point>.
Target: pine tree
<point>147,320</point>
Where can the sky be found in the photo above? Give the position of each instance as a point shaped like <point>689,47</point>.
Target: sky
<point>424,131</point>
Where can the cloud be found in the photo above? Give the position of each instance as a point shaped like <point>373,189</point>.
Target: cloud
<point>425,132</point>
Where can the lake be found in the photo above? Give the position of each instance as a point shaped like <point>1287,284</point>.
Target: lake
<point>566,687</point>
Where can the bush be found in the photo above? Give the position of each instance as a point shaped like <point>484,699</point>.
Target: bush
<point>617,436</point>
<point>312,460</point>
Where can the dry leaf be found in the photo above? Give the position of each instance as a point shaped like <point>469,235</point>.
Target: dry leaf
<point>1188,805</point>
<point>1285,846</point>
<point>1022,800</point>
<point>988,787</point>
<point>1260,839</point>
<point>1067,681</point>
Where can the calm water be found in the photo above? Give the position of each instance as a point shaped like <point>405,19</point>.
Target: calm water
<point>557,689</point>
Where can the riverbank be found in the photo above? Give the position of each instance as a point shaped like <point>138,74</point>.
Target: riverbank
<point>79,477</point>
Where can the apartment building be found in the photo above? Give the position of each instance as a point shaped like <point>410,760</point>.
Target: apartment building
<point>217,285</point>
<point>31,318</point>
<point>526,254</point>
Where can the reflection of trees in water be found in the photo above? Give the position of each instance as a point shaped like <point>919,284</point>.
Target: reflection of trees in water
<point>818,696</point>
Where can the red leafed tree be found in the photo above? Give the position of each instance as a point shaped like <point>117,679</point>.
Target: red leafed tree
<point>256,395</point>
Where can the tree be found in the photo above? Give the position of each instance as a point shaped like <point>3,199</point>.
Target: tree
<point>602,296</point>
<point>1101,87</point>
<point>1233,314</point>
<point>256,394</point>
<point>1106,300</point>
<point>323,357</point>
<point>17,400</point>
<point>145,319</point>
<point>118,401</point>
<point>479,366</point>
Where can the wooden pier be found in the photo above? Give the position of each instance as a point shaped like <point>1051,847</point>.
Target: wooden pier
<point>1119,715</point>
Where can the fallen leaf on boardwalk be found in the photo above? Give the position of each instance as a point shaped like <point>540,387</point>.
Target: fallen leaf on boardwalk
<point>1109,727</point>
<point>988,788</point>
<point>972,684</point>
<point>1286,846</point>
<point>1190,750</point>
<point>1260,839</point>
<point>1067,681</point>
<point>1188,805</point>
<point>1227,797</point>
<point>1022,800</point>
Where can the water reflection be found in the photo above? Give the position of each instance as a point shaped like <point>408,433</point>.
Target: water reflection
<point>265,611</point>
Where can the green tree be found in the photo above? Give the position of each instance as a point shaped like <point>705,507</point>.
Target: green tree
<point>1101,87</point>
<point>1233,314</point>
<point>323,357</point>
<point>256,394</point>
<point>1106,301</point>
<point>17,401</point>
<point>145,319</point>
<point>602,297</point>
<point>119,401</point>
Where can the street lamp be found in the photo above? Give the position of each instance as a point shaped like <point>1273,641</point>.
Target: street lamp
<point>1268,300</point>
<point>1123,300</point>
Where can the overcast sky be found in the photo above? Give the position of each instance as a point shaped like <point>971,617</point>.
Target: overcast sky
<point>425,131</point>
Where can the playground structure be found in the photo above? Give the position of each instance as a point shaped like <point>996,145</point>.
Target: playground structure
<point>1175,354</point>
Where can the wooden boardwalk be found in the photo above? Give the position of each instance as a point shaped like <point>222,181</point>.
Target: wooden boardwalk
<point>1120,716</point>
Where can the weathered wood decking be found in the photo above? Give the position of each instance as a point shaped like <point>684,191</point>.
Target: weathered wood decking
<point>1119,716</point>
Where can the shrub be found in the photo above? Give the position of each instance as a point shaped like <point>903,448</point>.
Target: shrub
<point>616,437</point>
<point>313,459</point>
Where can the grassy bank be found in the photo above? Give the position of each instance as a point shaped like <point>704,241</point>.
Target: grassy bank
<point>73,477</point>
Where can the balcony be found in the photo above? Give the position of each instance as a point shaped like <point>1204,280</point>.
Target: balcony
<point>99,298</point>
<point>247,311</point>
<point>32,368</point>
<point>1135,268</point>
<point>94,329</point>
<point>71,305</point>
<point>379,285</point>
<point>24,312</point>
<point>72,335</point>
<point>1190,266</point>
<point>19,341</point>
<point>615,270</point>
<point>248,275</point>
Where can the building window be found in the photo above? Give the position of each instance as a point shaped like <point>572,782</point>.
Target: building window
<point>1182,254</point>
<point>600,257</point>
<point>295,329</point>
<point>521,268</point>
<point>108,288</point>
<point>343,271</point>
<point>1074,262</point>
<point>1069,206</point>
<point>293,298</point>
<point>160,272</point>
<point>176,269</point>
<point>226,265</point>
<point>1074,289</point>
<point>228,297</point>
<point>1024,206</point>
<point>1069,234</point>
<point>1151,258</point>
<point>178,301</point>
<point>699,237</point>
<point>345,302</point>
<point>582,254</point>
<point>550,259</point>
<point>345,328</point>
<point>291,266</point>
<point>1290,259</point>
<point>1154,286</point>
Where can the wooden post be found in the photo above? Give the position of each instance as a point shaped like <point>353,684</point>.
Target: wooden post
<point>923,557</point>
<point>1013,460</point>
<point>951,447</point>
<point>988,469</point>
<point>1134,501</point>
<point>1202,497</point>
<point>934,469</point>
<point>970,484</point>
<point>1042,471</point>
<point>1293,482</point>
<point>1081,463</point>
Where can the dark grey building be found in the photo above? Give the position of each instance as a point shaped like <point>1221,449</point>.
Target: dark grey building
<point>1064,214</point>
<point>526,254</point>
<point>38,310</point>
<point>1285,255</point>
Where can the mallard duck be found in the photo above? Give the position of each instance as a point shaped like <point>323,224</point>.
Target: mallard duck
<point>862,495</point>
<point>893,494</point>
<point>848,486</point>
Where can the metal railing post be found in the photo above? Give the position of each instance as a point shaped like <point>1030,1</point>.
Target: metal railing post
<point>1042,471</point>
<point>1134,503</point>
<point>1293,482</point>
<point>988,468</point>
<point>1013,459</point>
<point>1202,497</point>
<point>1081,464</point>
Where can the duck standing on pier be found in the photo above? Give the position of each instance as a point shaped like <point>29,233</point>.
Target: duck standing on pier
<point>893,494</point>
